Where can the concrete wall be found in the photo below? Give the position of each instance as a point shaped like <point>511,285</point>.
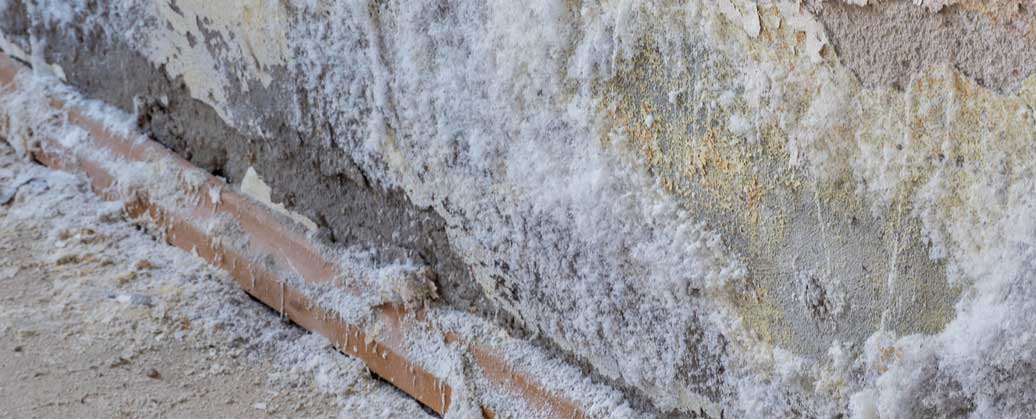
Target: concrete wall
<point>765,208</point>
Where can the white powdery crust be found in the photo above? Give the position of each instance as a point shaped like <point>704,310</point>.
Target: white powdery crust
<point>485,112</point>
<point>371,284</point>
<point>186,300</point>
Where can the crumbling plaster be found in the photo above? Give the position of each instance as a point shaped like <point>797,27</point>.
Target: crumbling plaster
<point>848,167</point>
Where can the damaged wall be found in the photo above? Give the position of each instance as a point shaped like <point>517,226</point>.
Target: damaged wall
<point>762,208</point>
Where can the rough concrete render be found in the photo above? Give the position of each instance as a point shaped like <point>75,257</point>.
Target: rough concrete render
<point>763,209</point>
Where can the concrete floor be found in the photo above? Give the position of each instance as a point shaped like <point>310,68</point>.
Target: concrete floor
<point>97,319</point>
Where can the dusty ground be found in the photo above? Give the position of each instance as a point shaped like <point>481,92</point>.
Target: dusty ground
<point>98,319</point>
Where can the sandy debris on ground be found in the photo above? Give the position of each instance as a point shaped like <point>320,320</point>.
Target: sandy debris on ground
<point>98,319</point>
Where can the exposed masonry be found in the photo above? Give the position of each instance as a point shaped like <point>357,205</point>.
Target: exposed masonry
<point>887,43</point>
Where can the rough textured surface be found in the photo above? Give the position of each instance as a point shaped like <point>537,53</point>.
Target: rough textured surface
<point>887,44</point>
<point>720,205</point>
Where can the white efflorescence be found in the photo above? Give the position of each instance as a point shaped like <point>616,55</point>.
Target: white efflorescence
<point>362,282</point>
<point>980,363</point>
<point>971,189</point>
<point>486,112</point>
<point>580,232</point>
<point>182,298</point>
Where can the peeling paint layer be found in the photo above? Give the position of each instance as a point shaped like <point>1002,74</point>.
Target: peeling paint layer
<point>217,46</point>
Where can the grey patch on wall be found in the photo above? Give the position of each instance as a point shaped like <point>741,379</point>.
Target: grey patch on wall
<point>887,43</point>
